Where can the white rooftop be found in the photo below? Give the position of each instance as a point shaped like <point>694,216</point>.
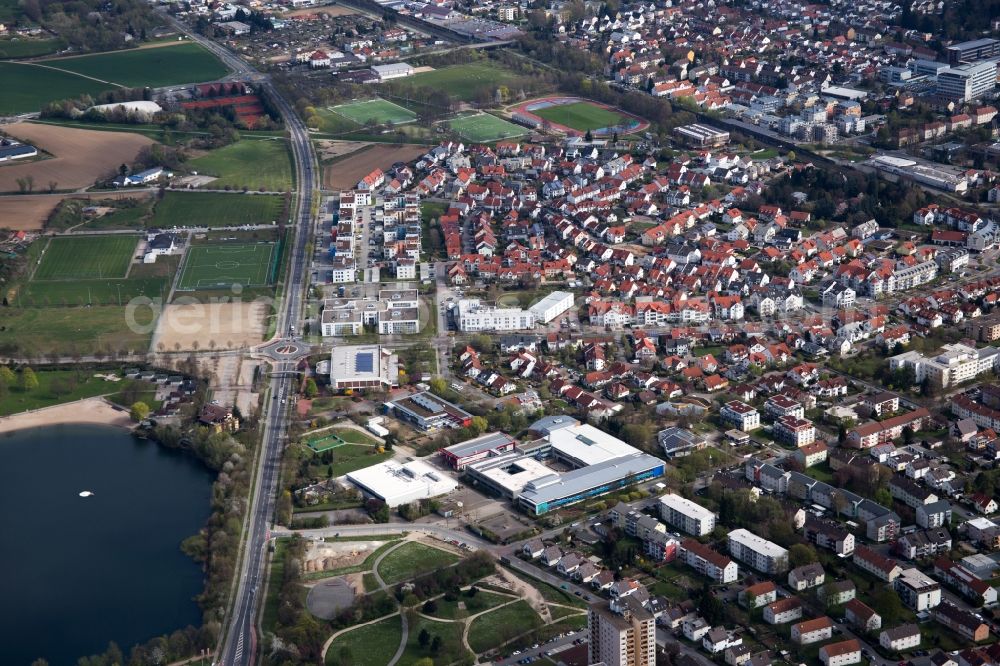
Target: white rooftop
<point>686,507</point>
<point>515,476</point>
<point>757,544</point>
<point>586,445</point>
<point>400,483</point>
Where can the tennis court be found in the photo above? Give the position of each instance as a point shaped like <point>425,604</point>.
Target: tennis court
<point>223,265</point>
<point>375,110</point>
<point>483,127</point>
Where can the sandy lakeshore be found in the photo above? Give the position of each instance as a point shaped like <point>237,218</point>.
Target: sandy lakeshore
<point>90,410</point>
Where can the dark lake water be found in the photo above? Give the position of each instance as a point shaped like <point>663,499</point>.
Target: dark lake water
<point>76,573</point>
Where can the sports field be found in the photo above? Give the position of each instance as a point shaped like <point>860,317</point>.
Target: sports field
<point>375,110</point>
<point>184,62</point>
<point>83,257</point>
<point>215,209</point>
<point>483,128</point>
<point>582,116</point>
<point>248,163</point>
<point>226,264</point>
<point>464,82</point>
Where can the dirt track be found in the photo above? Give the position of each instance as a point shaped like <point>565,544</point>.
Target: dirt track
<point>348,171</point>
<point>80,156</point>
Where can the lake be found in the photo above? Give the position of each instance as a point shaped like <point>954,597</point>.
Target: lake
<point>76,573</point>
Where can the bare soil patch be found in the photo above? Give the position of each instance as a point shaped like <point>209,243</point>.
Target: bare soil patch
<point>329,10</point>
<point>80,155</point>
<point>329,149</point>
<point>196,325</point>
<point>346,173</point>
<point>30,211</point>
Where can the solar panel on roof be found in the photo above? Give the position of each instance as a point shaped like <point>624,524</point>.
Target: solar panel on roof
<point>364,362</point>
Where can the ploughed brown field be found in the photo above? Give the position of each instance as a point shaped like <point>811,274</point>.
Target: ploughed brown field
<point>346,172</point>
<point>80,156</point>
<point>29,212</point>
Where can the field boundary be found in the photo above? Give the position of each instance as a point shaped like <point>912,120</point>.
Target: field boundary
<point>189,280</point>
<point>66,71</point>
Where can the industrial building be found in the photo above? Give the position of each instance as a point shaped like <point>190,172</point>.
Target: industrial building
<point>401,483</point>
<point>552,306</point>
<point>395,70</point>
<point>362,367</point>
<point>426,412</point>
<point>489,445</point>
<point>702,136</point>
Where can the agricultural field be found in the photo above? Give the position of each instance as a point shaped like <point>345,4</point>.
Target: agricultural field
<point>84,257</point>
<point>582,116</point>
<point>215,209</point>
<point>376,110</point>
<point>74,330</point>
<point>254,164</point>
<point>499,626</point>
<point>28,48</point>
<point>155,67</point>
<point>370,645</point>
<point>484,128</point>
<point>226,264</point>
<point>79,156</point>
<point>27,88</point>
<point>411,560</point>
<point>124,213</point>
<point>464,82</point>
<point>347,170</point>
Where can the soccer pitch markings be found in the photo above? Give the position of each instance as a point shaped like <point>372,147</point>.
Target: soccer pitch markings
<point>214,266</point>
<point>85,257</point>
<point>379,110</point>
<point>484,127</point>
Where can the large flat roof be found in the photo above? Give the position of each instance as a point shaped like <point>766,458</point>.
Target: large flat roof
<point>486,442</point>
<point>586,445</point>
<point>757,544</point>
<point>512,471</point>
<point>363,363</point>
<point>577,481</point>
<point>686,507</point>
<point>400,483</point>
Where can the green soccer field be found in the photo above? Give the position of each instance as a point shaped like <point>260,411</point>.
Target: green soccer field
<point>483,128</point>
<point>215,209</point>
<point>375,110</point>
<point>85,257</point>
<point>582,116</point>
<point>223,265</point>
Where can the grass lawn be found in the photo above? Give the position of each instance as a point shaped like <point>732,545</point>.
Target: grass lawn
<point>74,330</point>
<point>28,48</point>
<point>74,258</point>
<point>484,600</point>
<point>502,625</point>
<point>185,62</point>
<point>464,82</point>
<point>411,560</point>
<point>550,592</point>
<point>224,264</point>
<point>483,128</point>
<point>252,164</point>
<point>375,110</point>
<point>352,457</point>
<point>91,292</point>
<point>582,116</point>
<point>353,436</point>
<point>451,641</point>
<point>370,645</point>
<point>27,88</point>
<point>821,472</point>
<point>215,209</point>
<point>55,387</point>
<point>269,616</point>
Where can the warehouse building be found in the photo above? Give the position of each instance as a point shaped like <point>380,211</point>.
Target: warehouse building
<point>702,136</point>
<point>395,70</point>
<point>401,483</point>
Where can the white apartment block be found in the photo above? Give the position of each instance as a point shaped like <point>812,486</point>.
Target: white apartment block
<point>918,590</point>
<point>759,553</point>
<point>552,306</point>
<point>796,431</point>
<point>707,562</point>
<point>900,639</point>
<point>956,363</point>
<point>740,415</point>
<point>812,631</point>
<point>686,515</point>
<point>622,633</point>
<point>474,316</point>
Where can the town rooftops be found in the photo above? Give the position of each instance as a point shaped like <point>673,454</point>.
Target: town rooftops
<point>816,624</point>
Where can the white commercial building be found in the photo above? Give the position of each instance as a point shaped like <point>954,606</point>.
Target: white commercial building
<point>395,70</point>
<point>685,514</point>
<point>552,306</point>
<point>759,553</point>
<point>965,83</point>
<point>474,316</point>
<point>395,483</point>
<point>956,363</point>
<point>363,367</point>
